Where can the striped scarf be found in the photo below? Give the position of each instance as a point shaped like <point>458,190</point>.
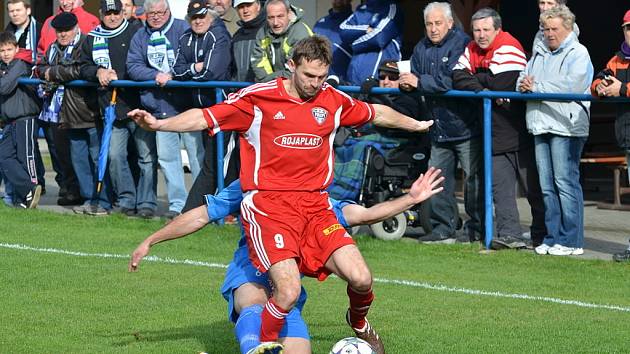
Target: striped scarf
<point>52,104</point>
<point>100,49</point>
<point>160,53</point>
<point>31,37</point>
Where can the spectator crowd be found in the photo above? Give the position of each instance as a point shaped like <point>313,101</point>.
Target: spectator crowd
<point>536,144</point>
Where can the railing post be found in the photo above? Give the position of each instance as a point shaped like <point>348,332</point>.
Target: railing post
<point>220,153</point>
<point>487,169</point>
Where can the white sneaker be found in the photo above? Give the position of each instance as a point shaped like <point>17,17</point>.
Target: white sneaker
<point>542,249</point>
<point>559,250</point>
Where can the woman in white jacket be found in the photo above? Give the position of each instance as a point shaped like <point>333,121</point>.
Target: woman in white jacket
<point>559,64</point>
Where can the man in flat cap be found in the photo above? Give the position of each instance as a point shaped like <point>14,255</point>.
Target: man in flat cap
<point>75,108</point>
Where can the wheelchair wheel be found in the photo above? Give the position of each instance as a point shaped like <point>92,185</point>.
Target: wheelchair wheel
<point>390,229</point>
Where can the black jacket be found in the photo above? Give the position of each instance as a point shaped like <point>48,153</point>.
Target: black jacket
<point>79,108</point>
<point>17,101</point>
<point>127,98</point>
<point>242,45</point>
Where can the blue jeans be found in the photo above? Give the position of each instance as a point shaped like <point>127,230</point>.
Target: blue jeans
<point>444,211</point>
<point>128,194</point>
<point>558,161</point>
<point>170,161</point>
<point>84,147</point>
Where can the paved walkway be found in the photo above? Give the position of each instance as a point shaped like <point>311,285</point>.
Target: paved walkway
<point>606,231</point>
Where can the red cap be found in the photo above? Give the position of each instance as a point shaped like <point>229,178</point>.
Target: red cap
<point>626,18</point>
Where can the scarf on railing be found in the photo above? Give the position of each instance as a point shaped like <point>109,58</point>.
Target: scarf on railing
<point>625,50</point>
<point>100,49</point>
<point>52,104</point>
<point>160,53</point>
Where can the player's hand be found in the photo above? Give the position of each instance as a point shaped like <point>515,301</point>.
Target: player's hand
<point>137,255</point>
<point>427,185</point>
<point>423,126</point>
<point>408,82</point>
<point>144,119</point>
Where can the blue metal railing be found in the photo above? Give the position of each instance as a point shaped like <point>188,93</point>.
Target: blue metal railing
<point>486,96</point>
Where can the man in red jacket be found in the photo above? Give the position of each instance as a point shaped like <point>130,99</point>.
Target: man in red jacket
<point>87,22</point>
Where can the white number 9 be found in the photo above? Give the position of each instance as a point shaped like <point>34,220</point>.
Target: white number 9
<point>279,240</point>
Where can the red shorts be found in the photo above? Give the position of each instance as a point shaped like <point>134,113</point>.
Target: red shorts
<point>300,225</point>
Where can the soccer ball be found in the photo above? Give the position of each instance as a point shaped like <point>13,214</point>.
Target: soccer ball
<point>352,345</point>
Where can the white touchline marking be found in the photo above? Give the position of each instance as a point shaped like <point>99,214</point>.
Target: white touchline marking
<point>109,255</point>
<point>414,284</point>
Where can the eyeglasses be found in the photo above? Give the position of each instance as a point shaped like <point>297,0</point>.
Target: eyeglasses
<point>157,13</point>
<point>391,77</point>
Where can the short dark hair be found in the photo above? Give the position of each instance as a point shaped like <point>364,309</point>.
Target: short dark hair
<point>312,48</point>
<point>7,37</point>
<point>487,12</point>
<point>27,3</point>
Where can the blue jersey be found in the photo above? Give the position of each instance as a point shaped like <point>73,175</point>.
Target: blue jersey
<point>241,271</point>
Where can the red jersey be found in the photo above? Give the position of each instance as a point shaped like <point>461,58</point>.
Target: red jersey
<point>286,143</point>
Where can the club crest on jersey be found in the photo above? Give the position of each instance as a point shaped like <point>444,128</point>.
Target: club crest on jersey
<point>319,114</point>
<point>300,141</point>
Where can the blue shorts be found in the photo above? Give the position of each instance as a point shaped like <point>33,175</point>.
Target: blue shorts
<point>241,271</point>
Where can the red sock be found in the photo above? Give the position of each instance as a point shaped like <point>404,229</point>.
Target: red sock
<point>272,321</point>
<point>359,307</point>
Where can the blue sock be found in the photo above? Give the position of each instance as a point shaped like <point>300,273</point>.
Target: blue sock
<point>247,328</point>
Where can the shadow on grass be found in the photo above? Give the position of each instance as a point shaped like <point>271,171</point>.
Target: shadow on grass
<point>215,337</point>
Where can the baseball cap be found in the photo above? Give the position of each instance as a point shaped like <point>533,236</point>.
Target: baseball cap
<point>64,21</point>
<point>111,5</point>
<point>197,7</point>
<point>388,66</point>
<point>238,2</point>
<point>626,18</point>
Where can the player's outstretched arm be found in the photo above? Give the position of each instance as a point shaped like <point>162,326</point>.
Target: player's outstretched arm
<point>387,117</point>
<point>190,121</point>
<point>181,226</point>
<point>422,189</point>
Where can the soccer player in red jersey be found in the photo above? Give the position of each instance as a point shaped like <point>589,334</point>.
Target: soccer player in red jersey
<point>287,130</point>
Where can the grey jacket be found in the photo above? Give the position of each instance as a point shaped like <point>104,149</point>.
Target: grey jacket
<point>567,69</point>
<point>17,101</point>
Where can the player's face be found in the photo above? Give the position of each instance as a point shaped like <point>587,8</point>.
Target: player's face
<point>484,32</point>
<point>8,52</point>
<point>308,77</point>
<point>18,13</point>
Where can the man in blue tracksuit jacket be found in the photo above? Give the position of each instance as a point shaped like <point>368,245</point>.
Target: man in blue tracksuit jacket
<point>456,132</point>
<point>205,46</point>
<point>374,33</point>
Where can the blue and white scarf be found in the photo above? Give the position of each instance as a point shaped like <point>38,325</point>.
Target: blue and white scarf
<point>52,104</point>
<point>100,49</point>
<point>160,53</point>
<point>31,37</point>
